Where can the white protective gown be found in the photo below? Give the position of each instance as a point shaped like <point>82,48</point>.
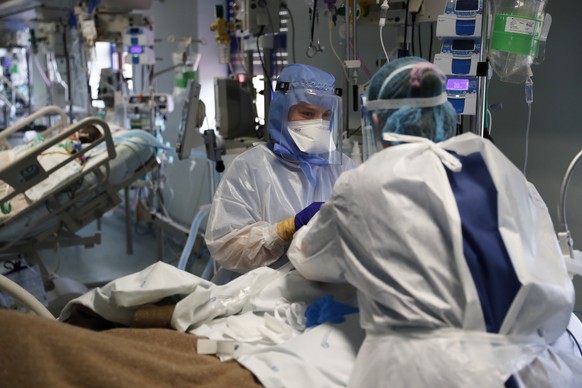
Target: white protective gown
<point>258,190</point>
<point>393,230</point>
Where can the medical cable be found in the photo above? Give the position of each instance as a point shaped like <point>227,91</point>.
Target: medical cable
<point>312,16</point>
<point>41,71</point>
<point>412,35</point>
<point>210,269</point>
<point>420,42</point>
<point>383,13</point>
<point>152,143</point>
<point>25,297</point>
<point>406,27</point>
<point>362,63</point>
<point>563,193</point>
<point>528,100</point>
<point>67,84</point>
<point>575,340</point>
<point>47,82</point>
<point>231,68</point>
<point>200,216</point>
<point>242,58</point>
<point>430,42</point>
<point>54,73</point>
<point>490,117</point>
<point>57,268</point>
<point>330,26</point>
<point>266,74</point>
<point>240,50</point>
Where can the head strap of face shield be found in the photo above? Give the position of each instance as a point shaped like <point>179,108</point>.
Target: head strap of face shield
<point>396,103</point>
<point>285,86</point>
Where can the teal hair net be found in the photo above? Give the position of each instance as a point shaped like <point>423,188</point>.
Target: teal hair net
<point>412,78</point>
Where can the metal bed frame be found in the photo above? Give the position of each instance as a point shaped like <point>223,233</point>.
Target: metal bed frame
<point>71,205</point>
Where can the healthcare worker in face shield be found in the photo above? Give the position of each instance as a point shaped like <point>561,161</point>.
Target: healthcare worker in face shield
<point>460,279</point>
<point>270,191</point>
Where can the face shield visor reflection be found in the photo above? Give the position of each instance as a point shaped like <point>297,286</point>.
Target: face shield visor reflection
<point>371,142</point>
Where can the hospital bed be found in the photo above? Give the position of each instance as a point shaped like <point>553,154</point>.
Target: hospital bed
<point>47,113</point>
<point>47,203</point>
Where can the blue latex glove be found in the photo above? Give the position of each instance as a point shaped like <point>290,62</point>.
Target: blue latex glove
<point>303,217</point>
<point>327,310</point>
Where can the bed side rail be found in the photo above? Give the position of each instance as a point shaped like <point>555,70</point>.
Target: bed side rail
<point>27,171</point>
<point>51,110</point>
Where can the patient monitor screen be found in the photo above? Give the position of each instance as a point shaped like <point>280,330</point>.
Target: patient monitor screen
<point>463,44</point>
<point>235,109</point>
<point>467,5</point>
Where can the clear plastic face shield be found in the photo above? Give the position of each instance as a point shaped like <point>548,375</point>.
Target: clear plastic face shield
<point>372,128</point>
<point>311,124</point>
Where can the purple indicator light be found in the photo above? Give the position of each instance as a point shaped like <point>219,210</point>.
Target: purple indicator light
<point>457,84</point>
<point>136,50</point>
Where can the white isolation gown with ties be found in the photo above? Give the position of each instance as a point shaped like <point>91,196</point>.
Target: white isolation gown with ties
<point>460,278</point>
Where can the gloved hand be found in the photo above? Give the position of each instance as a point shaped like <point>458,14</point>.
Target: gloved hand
<point>327,310</point>
<point>288,227</point>
<point>303,217</point>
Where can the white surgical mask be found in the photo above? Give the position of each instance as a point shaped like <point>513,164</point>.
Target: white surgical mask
<point>311,136</point>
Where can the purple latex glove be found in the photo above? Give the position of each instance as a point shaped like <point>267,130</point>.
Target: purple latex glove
<point>303,217</point>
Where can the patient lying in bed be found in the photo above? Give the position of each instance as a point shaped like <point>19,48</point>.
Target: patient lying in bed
<point>144,330</point>
<point>97,172</point>
<point>48,159</point>
<point>182,307</point>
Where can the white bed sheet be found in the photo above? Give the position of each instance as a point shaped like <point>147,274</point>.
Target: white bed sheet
<point>320,356</point>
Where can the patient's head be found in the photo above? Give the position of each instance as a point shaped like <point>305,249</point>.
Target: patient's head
<point>88,134</point>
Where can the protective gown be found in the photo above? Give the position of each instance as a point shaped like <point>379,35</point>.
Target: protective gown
<point>258,190</point>
<point>269,183</point>
<point>459,275</point>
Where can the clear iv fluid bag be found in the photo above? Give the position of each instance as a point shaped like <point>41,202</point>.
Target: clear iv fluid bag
<point>516,38</point>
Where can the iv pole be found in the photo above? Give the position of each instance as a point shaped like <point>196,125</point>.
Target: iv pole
<point>482,72</point>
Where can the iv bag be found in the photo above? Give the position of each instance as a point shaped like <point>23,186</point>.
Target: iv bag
<point>518,32</point>
<point>188,71</point>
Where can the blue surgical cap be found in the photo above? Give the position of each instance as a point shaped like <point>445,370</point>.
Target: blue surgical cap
<point>421,80</point>
<point>300,77</point>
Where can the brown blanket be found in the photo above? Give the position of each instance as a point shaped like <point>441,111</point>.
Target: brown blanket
<point>37,352</point>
